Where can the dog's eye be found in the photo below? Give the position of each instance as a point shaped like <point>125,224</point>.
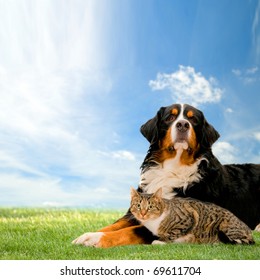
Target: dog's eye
<point>170,118</point>
<point>193,120</point>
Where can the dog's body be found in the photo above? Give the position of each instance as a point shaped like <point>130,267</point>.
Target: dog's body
<point>180,160</point>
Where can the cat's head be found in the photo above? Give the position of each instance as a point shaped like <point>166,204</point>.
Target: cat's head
<point>146,206</point>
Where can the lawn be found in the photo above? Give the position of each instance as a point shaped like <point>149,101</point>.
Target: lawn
<point>46,234</point>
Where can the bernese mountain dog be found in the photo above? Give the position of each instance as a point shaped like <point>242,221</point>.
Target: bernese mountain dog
<point>180,160</point>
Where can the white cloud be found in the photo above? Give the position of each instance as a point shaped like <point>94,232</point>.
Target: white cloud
<point>51,35</point>
<point>236,72</point>
<point>28,190</point>
<point>187,85</point>
<point>50,191</point>
<point>252,70</point>
<point>123,155</point>
<point>53,204</point>
<point>50,66</point>
<point>52,63</point>
<point>229,110</point>
<point>247,76</point>
<point>225,152</point>
<point>257,135</point>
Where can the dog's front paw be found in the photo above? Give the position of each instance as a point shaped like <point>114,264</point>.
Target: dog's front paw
<point>89,239</point>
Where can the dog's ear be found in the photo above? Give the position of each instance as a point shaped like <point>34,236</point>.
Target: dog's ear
<point>150,128</point>
<point>209,135</point>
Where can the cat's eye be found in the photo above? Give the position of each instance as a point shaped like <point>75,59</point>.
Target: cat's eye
<point>150,207</point>
<point>138,206</point>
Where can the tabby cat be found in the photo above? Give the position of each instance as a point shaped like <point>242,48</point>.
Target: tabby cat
<point>187,220</point>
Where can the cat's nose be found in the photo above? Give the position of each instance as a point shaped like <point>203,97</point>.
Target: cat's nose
<point>143,212</point>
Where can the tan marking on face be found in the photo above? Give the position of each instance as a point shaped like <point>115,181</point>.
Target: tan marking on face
<point>166,142</point>
<point>165,148</point>
<point>193,139</point>
<point>175,111</point>
<point>190,114</point>
<point>187,158</point>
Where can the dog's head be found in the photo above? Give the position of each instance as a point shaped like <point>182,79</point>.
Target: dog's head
<point>179,127</point>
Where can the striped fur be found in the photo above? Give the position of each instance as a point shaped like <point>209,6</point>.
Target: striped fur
<point>185,220</point>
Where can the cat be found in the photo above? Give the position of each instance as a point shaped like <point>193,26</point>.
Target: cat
<point>186,220</point>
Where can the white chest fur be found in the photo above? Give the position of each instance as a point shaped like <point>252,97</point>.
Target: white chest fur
<point>153,224</point>
<point>171,174</point>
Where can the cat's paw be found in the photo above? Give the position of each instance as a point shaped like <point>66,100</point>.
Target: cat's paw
<point>156,242</point>
<point>257,228</point>
<point>89,239</point>
<point>248,241</point>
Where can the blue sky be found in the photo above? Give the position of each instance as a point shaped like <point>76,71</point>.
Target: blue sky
<point>79,78</point>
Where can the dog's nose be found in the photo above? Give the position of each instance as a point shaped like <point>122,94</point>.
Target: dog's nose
<point>182,126</point>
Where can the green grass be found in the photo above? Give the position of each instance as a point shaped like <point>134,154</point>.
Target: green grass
<point>46,234</point>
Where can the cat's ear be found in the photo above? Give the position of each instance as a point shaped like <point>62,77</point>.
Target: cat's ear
<point>133,191</point>
<point>158,193</point>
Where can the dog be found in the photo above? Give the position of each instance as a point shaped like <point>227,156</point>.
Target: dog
<point>181,162</point>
